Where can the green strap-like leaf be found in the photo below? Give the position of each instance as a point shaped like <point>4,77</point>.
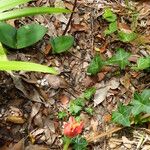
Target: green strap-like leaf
<point>8,4</point>
<point>25,66</point>
<point>17,13</point>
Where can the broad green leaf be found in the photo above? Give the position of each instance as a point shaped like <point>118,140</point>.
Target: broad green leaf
<point>29,34</point>
<point>89,93</point>
<point>79,143</point>
<point>17,13</point>
<point>25,66</point>
<point>122,115</point>
<point>109,15</point>
<point>120,58</point>
<point>62,114</point>
<point>8,4</point>
<point>61,44</point>
<point>8,35</point>
<point>74,109</point>
<point>3,56</point>
<point>111,29</point>
<point>127,37</point>
<point>95,65</point>
<point>142,63</point>
<point>141,102</point>
<point>23,37</point>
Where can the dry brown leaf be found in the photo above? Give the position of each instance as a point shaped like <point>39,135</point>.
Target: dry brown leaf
<point>64,99</point>
<point>19,145</point>
<point>125,81</point>
<point>100,95</point>
<point>56,81</point>
<point>107,118</point>
<point>83,27</point>
<point>36,147</point>
<point>15,119</point>
<point>94,125</point>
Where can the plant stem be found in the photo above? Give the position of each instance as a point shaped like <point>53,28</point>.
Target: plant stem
<point>67,143</point>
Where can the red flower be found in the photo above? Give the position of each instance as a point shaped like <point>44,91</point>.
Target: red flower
<point>73,128</point>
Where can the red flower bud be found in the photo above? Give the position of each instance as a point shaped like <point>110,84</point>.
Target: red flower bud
<point>73,128</point>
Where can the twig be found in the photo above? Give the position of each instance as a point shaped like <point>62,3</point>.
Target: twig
<point>67,26</point>
<point>111,131</point>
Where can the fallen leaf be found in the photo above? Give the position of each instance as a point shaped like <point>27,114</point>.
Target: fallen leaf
<point>125,81</point>
<point>15,119</point>
<point>36,147</point>
<point>100,95</point>
<point>19,145</point>
<point>64,99</point>
<point>94,125</point>
<point>107,118</point>
<point>79,27</point>
<point>56,81</point>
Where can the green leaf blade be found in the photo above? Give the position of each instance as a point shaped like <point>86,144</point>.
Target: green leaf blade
<point>95,65</point>
<point>8,4</point>
<point>111,29</point>
<point>25,66</point>
<point>109,15</point>
<point>120,58</point>
<point>122,115</point>
<point>89,93</point>
<point>29,34</point>
<point>126,37</point>
<point>142,63</point>
<point>8,35</point>
<point>17,13</point>
<point>61,44</point>
<point>141,102</point>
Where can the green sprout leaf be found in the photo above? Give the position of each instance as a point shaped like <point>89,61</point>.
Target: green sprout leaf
<point>79,143</point>
<point>141,102</point>
<point>25,66</point>
<point>122,115</point>
<point>17,13</point>
<point>89,93</point>
<point>111,29</point>
<point>109,15</point>
<point>120,58</point>
<point>95,65</point>
<point>127,37</point>
<point>61,44</point>
<point>142,63</point>
<point>62,114</point>
<point>8,4</point>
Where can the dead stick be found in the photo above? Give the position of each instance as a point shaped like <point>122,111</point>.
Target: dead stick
<point>67,26</point>
<point>92,139</point>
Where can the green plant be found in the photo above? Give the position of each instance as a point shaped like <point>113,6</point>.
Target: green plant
<point>112,19</point>
<point>22,37</point>
<point>120,59</point>
<point>140,104</point>
<point>6,13</point>
<point>77,105</point>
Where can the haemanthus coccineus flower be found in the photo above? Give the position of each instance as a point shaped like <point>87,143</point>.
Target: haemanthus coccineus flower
<point>72,128</point>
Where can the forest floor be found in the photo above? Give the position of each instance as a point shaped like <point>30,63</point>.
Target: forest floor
<point>35,99</point>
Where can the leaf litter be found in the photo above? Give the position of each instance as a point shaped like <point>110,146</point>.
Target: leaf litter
<point>44,95</point>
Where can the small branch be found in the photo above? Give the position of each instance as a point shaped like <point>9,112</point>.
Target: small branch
<point>67,26</point>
